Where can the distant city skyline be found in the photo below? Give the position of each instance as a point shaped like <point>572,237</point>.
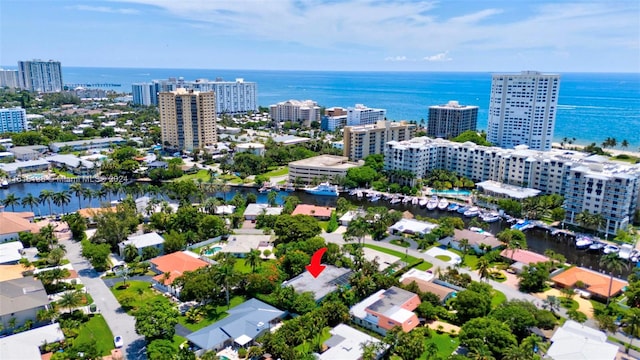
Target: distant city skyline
<point>366,35</point>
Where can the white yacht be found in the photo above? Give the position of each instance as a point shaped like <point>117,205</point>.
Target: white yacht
<point>473,211</point>
<point>443,204</point>
<point>433,203</point>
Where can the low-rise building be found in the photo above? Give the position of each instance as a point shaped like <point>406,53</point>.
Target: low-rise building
<point>426,282</point>
<point>290,140</point>
<point>171,266</point>
<point>318,212</point>
<point>24,167</point>
<point>10,252</point>
<point>149,240</point>
<point>330,280</point>
<point>476,240</point>
<point>596,284</point>
<point>31,152</point>
<point>240,245</point>
<point>80,145</point>
<point>320,168</point>
<point>577,341</point>
<point>253,210</point>
<point>26,345</point>
<point>346,343</point>
<point>387,309</point>
<point>251,148</point>
<point>21,299</point>
<point>13,223</point>
<point>411,226</point>
<point>72,163</point>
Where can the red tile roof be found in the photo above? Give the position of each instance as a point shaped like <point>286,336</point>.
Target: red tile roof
<point>312,210</point>
<point>15,222</point>
<point>524,256</point>
<point>596,283</point>
<point>176,264</point>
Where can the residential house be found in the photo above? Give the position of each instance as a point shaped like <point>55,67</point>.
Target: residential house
<point>411,226</point>
<point>349,216</point>
<point>240,245</point>
<point>172,266</point>
<point>576,341</point>
<point>253,210</point>
<point>13,223</point>
<point>245,323</point>
<point>24,153</point>
<point>72,163</point>
<point>426,282</point>
<point>148,240</point>
<point>157,165</point>
<point>24,167</point>
<point>318,212</point>
<point>10,252</point>
<point>597,284</point>
<point>26,345</point>
<point>330,280</point>
<point>21,299</point>
<point>521,258</point>
<point>387,309</point>
<point>346,343</point>
<point>476,239</point>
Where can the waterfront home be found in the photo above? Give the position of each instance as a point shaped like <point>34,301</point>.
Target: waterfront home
<point>80,145</point>
<point>10,252</point>
<point>72,163</point>
<point>522,257</point>
<point>318,212</point>
<point>346,343</point>
<point>597,284</point>
<point>141,242</point>
<point>387,309</point>
<point>411,226</point>
<point>350,215</point>
<point>476,239</point>
<point>26,345</point>
<point>31,152</point>
<point>172,266</point>
<point>577,341</point>
<point>23,167</point>
<point>330,280</point>
<point>253,210</point>
<point>21,299</point>
<point>13,223</point>
<point>245,323</point>
<point>426,283</point>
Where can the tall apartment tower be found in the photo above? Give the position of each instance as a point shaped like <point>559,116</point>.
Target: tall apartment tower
<point>450,120</point>
<point>362,115</point>
<point>144,94</point>
<point>9,78</point>
<point>522,109</point>
<point>13,120</point>
<point>364,140</point>
<point>187,119</point>
<point>40,76</point>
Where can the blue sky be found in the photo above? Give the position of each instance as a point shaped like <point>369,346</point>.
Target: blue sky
<point>509,35</point>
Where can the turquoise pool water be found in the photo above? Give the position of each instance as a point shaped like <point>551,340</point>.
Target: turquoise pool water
<point>213,250</point>
<point>222,357</point>
<point>452,192</point>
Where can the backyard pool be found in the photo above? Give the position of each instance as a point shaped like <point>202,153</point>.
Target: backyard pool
<point>213,250</point>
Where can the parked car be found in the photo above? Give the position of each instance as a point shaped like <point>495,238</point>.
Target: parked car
<point>118,342</point>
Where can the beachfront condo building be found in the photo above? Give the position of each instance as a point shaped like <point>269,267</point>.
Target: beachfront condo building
<point>522,109</point>
<point>9,78</point>
<point>362,115</point>
<point>452,119</point>
<point>187,119</point>
<point>303,112</point>
<point>232,97</point>
<point>40,76</point>
<point>145,94</point>
<point>363,140</point>
<point>334,118</point>
<point>13,120</point>
<point>320,168</point>
<point>587,182</point>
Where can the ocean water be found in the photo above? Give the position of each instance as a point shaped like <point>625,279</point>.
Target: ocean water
<point>592,106</point>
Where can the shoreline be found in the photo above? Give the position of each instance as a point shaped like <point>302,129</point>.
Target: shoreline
<point>613,152</point>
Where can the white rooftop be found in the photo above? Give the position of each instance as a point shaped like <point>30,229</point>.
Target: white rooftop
<point>413,226</point>
<point>258,209</point>
<point>10,252</point>
<point>574,341</point>
<point>346,343</point>
<point>25,345</point>
<point>512,191</point>
<point>417,274</point>
<point>144,240</point>
<point>14,166</point>
<point>239,244</point>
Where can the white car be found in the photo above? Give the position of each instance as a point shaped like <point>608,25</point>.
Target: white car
<point>118,342</point>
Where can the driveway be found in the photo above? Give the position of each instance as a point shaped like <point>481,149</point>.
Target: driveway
<point>119,322</point>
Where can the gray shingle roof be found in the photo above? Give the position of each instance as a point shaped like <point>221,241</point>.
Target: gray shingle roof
<point>21,294</point>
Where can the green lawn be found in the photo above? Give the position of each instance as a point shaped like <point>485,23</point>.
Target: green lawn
<point>97,331</point>
<point>241,266</point>
<point>63,173</point>
<point>284,170</point>
<point>470,261</point>
<point>214,313</point>
<point>136,294</point>
<point>408,258</point>
<point>443,257</point>
<point>498,298</point>
<point>231,179</point>
<point>201,174</point>
<point>424,266</point>
<point>400,242</point>
<point>307,345</point>
<point>445,343</point>
<point>177,341</point>
<point>569,304</point>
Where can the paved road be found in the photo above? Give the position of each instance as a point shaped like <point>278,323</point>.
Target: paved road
<point>119,322</point>
<point>508,291</point>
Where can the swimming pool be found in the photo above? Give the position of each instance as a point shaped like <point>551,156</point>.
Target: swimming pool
<point>452,192</point>
<point>213,250</point>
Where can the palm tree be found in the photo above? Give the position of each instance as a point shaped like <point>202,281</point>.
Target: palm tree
<point>253,259</point>
<point>78,190</point>
<point>632,319</point>
<point>30,201</point>
<point>551,303</point>
<point>89,194</point>
<point>61,199</point>
<point>484,268</point>
<point>11,200</point>
<point>624,144</point>
<point>515,352</point>
<point>130,252</point>
<point>464,247</point>
<point>47,196</point>
<point>358,229</point>
<point>107,189</point>
<point>613,263</point>
<point>225,275</point>
<point>70,300</point>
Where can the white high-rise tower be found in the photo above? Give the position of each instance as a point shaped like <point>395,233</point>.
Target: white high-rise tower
<point>522,109</point>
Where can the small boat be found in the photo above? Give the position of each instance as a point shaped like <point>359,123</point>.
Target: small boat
<point>522,225</point>
<point>415,201</point>
<point>583,242</point>
<point>359,194</point>
<point>395,200</point>
<point>423,202</point>
<point>406,199</point>
<point>353,192</point>
<point>474,211</point>
<point>452,207</point>
<point>433,203</point>
<point>289,188</point>
<point>596,246</point>
<point>480,231</point>
<point>374,198</point>
<point>443,204</point>
<point>625,251</point>
<point>635,256</point>
<point>4,184</point>
<point>324,189</point>
<point>490,217</point>
<point>610,249</point>
<point>462,209</point>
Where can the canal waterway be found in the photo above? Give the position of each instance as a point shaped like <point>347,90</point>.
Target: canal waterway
<point>538,240</point>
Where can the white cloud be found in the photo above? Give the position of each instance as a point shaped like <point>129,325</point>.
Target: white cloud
<point>396,58</point>
<point>443,56</point>
<point>105,9</point>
